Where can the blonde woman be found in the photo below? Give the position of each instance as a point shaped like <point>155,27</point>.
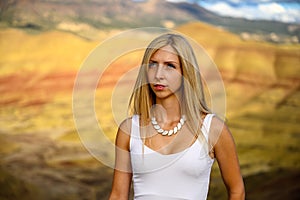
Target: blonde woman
<point>168,146</point>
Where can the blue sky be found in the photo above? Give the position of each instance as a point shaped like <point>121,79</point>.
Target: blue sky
<point>279,10</point>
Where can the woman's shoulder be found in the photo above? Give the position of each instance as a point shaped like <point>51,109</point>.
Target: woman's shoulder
<point>219,129</point>
<point>209,116</point>
<point>123,134</point>
<point>218,123</point>
<point>214,123</point>
<point>215,119</point>
<point>125,125</point>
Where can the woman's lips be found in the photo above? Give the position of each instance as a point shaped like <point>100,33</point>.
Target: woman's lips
<point>159,87</point>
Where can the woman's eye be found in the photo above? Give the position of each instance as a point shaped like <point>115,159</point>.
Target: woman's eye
<point>171,66</point>
<point>152,64</point>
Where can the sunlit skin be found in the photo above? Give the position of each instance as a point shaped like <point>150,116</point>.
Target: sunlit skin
<point>164,73</point>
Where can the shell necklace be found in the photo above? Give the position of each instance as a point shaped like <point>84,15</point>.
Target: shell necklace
<point>163,132</point>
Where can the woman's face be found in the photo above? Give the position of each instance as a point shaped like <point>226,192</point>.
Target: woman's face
<point>164,72</point>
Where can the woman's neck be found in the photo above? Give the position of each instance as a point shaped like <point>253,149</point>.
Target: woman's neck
<point>167,110</point>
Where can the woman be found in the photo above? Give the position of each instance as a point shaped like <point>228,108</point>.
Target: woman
<point>169,144</point>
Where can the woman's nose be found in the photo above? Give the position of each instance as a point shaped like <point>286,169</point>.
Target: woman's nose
<point>159,72</point>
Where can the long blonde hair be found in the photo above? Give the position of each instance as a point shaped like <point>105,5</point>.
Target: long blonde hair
<point>193,103</point>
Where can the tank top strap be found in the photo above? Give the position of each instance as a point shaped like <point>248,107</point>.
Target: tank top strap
<point>135,130</point>
<point>206,125</point>
<point>136,144</point>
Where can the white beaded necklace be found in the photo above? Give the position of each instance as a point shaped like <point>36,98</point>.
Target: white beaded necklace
<point>163,132</point>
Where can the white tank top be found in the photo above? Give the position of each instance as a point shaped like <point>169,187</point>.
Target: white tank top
<point>178,176</point>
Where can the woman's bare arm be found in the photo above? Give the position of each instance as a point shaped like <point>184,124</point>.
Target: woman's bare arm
<point>226,155</point>
<point>122,172</point>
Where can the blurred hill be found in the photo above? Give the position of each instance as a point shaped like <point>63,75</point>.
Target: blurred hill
<point>84,16</point>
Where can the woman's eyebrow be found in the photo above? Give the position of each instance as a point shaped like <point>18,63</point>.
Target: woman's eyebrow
<point>167,62</point>
<point>171,62</point>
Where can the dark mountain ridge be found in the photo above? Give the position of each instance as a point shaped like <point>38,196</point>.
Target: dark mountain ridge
<point>118,14</point>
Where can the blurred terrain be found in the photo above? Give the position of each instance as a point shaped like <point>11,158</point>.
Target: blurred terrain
<point>44,43</point>
<point>86,17</point>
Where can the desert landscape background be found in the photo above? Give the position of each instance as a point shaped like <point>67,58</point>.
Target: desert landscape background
<point>42,156</point>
